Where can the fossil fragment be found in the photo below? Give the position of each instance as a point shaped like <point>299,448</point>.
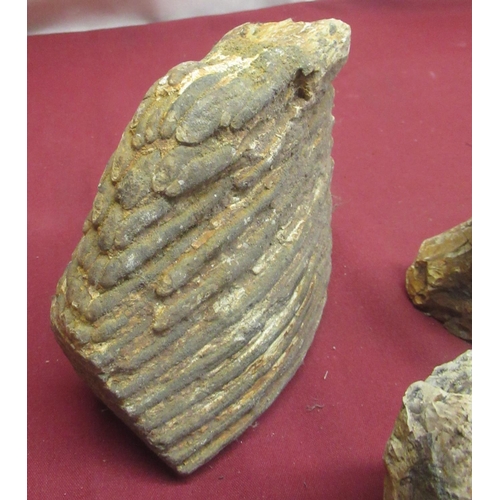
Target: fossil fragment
<point>197,287</point>
<point>439,282</point>
<point>429,454</point>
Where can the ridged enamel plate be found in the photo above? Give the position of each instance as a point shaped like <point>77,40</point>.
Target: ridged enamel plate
<point>201,277</point>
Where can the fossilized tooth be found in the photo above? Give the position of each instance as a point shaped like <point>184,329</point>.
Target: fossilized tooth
<point>200,280</point>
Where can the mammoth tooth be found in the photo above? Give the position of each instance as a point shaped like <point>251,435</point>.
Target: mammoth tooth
<point>201,277</point>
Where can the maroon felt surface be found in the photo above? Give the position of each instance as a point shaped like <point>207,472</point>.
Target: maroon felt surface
<point>402,173</point>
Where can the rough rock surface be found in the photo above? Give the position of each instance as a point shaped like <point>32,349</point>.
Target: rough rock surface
<point>197,287</point>
<point>429,454</point>
<point>439,282</point>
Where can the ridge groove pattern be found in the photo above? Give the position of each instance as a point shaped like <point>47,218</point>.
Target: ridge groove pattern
<point>199,282</point>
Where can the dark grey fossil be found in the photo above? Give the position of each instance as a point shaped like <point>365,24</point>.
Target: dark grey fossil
<point>201,277</point>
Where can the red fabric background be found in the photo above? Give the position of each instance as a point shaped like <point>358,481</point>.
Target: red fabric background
<point>402,173</point>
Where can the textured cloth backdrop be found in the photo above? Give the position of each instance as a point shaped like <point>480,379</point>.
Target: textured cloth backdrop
<point>402,173</point>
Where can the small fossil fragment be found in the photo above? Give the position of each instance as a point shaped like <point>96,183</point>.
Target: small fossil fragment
<point>439,282</point>
<point>201,277</point>
<point>429,454</point>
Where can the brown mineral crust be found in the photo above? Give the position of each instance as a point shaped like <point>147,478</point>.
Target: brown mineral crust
<point>439,282</point>
<point>200,280</point>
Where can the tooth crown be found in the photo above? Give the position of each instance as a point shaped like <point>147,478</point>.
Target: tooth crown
<point>197,287</point>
